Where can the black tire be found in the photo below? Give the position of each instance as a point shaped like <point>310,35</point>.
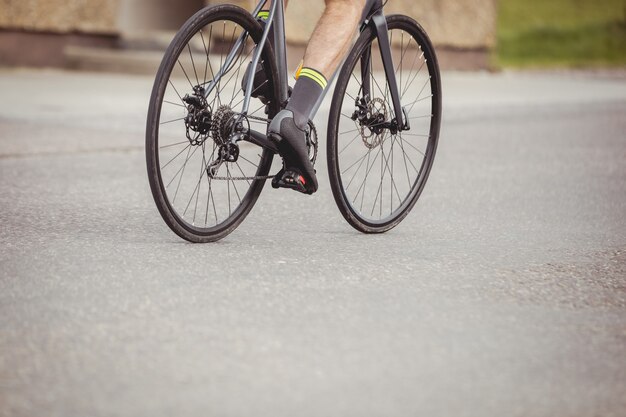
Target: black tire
<point>341,173</point>
<point>190,45</point>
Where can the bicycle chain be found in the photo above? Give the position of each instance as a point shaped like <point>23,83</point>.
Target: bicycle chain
<point>260,177</point>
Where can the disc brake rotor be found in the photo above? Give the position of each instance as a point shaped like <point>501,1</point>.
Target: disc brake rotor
<point>372,131</point>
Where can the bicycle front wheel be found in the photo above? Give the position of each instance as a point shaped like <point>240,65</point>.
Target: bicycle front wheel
<point>203,185</point>
<point>376,174</point>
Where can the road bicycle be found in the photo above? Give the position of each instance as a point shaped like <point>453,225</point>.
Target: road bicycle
<point>208,156</point>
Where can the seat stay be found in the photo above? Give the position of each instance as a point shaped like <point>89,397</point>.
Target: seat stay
<point>230,58</point>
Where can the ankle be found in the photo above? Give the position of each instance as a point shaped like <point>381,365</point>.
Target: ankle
<point>310,85</point>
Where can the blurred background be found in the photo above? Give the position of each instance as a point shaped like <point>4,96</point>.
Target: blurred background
<point>503,293</point>
<point>129,35</point>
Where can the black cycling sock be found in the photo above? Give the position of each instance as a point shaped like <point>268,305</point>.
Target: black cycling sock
<point>307,90</point>
<point>262,16</point>
<point>260,86</point>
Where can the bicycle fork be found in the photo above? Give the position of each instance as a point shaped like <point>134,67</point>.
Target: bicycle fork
<point>378,22</point>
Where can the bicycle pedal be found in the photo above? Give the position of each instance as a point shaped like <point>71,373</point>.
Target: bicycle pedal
<point>291,180</point>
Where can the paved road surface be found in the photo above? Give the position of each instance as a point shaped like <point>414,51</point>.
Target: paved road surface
<point>502,294</point>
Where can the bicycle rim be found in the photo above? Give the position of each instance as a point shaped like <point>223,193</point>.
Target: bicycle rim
<point>197,206</point>
<point>377,175</point>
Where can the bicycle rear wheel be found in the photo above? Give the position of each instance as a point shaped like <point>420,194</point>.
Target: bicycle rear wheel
<point>377,175</point>
<point>187,134</point>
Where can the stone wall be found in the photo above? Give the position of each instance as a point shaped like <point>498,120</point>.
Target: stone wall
<point>455,23</point>
<point>468,24</point>
<point>38,32</point>
<point>460,24</point>
<point>60,16</point>
<point>146,16</point>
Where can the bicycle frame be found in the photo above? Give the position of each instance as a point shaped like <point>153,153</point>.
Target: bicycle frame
<point>372,16</point>
<point>276,17</point>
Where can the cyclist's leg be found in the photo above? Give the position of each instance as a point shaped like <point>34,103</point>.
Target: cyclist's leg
<point>330,41</point>
<point>333,35</point>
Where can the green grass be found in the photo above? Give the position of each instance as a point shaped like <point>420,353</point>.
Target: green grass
<point>561,33</point>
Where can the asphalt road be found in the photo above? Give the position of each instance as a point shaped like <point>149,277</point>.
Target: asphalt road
<point>502,294</point>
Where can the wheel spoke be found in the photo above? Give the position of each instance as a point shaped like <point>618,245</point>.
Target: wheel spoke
<point>176,91</point>
<point>413,79</point>
<point>193,64</point>
<point>181,175</point>
<point>358,135</point>
<point>173,144</point>
<point>174,120</point>
<point>359,167</point>
<point>185,72</point>
<point>175,156</point>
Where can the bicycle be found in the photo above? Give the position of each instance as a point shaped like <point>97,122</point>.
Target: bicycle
<point>207,153</point>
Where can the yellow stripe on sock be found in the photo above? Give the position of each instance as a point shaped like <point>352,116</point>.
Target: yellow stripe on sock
<point>263,14</point>
<point>315,76</point>
<point>321,83</point>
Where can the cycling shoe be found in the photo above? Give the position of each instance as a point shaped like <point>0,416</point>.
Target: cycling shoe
<point>291,143</point>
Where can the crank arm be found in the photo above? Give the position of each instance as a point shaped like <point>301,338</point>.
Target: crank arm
<point>261,140</point>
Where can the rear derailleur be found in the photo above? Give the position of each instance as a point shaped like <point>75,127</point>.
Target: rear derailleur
<point>224,126</point>
<point>227,129</point>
